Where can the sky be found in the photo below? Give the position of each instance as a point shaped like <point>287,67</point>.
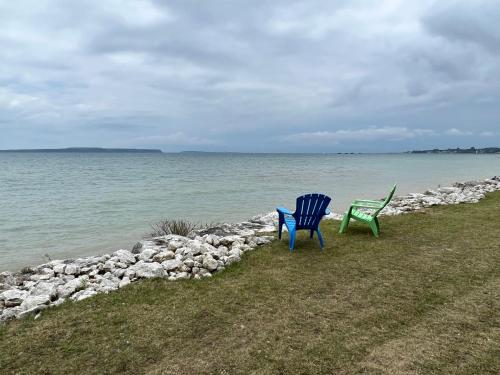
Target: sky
<point>250,76</point>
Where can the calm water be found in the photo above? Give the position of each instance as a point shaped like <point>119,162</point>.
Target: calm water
<point>69,205</point>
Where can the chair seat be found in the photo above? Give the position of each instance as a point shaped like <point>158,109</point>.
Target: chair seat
<point>362,216</point>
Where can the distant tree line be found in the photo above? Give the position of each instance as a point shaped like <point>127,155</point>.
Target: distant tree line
<point>458,150</point>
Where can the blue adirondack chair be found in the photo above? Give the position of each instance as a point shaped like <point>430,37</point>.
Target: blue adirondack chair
<point>310,209</point>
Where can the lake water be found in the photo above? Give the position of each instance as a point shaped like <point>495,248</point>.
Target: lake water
<point>70,205</point>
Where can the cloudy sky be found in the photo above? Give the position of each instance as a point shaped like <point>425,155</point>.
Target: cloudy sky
<point>230,75</point>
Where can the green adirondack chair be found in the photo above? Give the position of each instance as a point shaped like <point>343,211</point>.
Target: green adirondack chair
<point>370,219</point>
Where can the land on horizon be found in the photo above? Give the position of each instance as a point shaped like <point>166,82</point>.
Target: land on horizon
<point>458,150</point>
<point>85,149</point>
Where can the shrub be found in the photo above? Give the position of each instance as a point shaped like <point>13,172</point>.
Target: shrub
<point>172,226</point>
<point>176,226</point>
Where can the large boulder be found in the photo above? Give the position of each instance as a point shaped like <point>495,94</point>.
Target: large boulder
<point>13,297</point>
<point>43,289</point>
<point>147,270</point>
<point>59,268</point>
<point>83,294</point>
<point>34,303</point>
<point>210,263</point>
<point>72,269</point>
<point>125,256</point>
<point>65,290</point>
<point>163,256</point>
<point>171,264</point>
<point>11,313</point>
<point>146,254</point>
<point>108,284</point>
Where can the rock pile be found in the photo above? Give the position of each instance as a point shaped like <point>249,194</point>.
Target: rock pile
<point>460,192</point>
<point>176,258</point>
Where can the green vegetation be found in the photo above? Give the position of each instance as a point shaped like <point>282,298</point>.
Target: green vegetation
<point>424,298</point>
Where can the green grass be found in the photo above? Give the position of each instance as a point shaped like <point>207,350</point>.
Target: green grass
<point>424,298</point>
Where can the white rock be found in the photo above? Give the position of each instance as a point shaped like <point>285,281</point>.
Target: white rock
<point>147,254</point>
<point>83,294</point>
<point>125,256</point>
<point>204,273</point>
<point>124,282</point>
<point>13,297</point>
<point>263,240</point>
<point>11,313</point>
<point>232,259</point>
<point>44,288</point>
<point>174,245</point>
<point>182,276</point>
<point>72,269</point>
<point>228,240</point>
<point>195,245</point>
<point>71,286</point>
<point>109,265</point>
<point>147,270</point>
<point>47,271</point>
<point>129,273</point>
<point>171,264</point>
<point>210,263</point>
<point>33,301</point>
<point>163,256</point>
<point>119,272</point>
<point>107,285</point>
<point>236,252</point>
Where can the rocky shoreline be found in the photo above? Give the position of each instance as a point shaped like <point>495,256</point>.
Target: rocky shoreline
<point>207,252</point>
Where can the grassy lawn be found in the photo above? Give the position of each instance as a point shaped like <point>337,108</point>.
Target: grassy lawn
<point>424,298</point>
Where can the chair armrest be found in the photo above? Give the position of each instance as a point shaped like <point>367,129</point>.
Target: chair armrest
<point>284,211</point>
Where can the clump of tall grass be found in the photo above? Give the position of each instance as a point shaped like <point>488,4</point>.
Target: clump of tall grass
<point>180,227</point>
<point>172,226</point>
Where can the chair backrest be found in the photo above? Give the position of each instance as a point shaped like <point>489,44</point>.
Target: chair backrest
<point>386,201</point>
<point>310,209</point>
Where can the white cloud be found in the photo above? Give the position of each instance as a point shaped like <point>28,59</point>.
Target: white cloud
<point>359,135</point>
<point>488,134</point>
<point>458,132</point>
<point>246,72</point>
<point>177,138</point>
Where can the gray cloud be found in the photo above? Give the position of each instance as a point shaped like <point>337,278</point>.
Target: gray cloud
<point>248,76</point>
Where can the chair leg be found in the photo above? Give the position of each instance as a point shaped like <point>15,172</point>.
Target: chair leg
<point>311,234</point>
<point>345,222</point>
<point>320,237</point>
<point>281,222</point>
<point>378,224</point>
<point>292,240</point>
<point>374,228</point>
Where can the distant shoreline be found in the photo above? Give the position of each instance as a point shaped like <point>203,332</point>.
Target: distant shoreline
<point>88,150</point>
<point>472,150</point>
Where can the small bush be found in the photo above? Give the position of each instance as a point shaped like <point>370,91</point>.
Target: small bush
<point>180,227</point>
<point>168,226</point>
